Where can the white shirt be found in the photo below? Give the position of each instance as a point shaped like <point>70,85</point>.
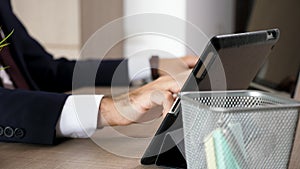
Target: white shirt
<point>80,112</point>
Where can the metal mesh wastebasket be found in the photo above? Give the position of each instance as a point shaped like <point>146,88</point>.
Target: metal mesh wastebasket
<point>238,129</point>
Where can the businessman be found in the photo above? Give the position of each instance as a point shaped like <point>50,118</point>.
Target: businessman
<point>33,108</point>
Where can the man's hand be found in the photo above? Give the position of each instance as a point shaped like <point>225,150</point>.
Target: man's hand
<point>175,66</point>
<point>131,107</point>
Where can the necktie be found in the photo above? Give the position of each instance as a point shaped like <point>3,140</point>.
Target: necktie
<point>13,70</point>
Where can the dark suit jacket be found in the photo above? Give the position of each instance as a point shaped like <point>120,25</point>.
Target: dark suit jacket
<point>31,116</point>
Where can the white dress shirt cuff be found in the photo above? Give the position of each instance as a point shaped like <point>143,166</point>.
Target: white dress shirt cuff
<point>79,116</point>
<point>139,68</point>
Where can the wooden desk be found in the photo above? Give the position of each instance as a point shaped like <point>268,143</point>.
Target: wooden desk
<point>70,154</point>
<point>86,154</point>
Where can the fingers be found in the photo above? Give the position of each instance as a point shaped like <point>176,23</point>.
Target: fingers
<point>190,61</point>
<point>167,83</point>
<point>167,102</point>
<point>163,98</point>
<point>132,107</point>
<point>172,83</point>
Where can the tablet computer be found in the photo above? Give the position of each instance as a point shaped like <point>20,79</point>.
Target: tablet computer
<point>229,62</point>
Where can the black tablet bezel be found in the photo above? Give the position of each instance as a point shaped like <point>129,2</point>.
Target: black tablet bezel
<point>171,122</point>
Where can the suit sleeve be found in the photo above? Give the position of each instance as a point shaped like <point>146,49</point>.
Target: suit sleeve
<point>47,73</point>
<point>29,117</point>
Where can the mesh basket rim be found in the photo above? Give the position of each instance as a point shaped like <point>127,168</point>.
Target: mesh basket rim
<point>283,103</point>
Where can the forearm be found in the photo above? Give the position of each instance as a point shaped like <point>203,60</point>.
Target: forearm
<point>109,114</point>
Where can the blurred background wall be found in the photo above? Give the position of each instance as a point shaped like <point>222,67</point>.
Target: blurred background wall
<point>56,24</point>
<point>63,26</point>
